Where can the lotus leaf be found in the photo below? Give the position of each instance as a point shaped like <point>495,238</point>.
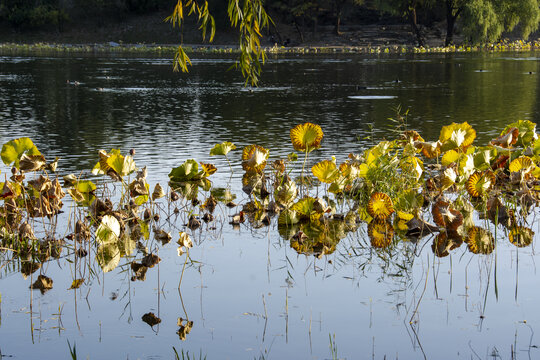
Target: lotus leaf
<point>102,165</point>
<point>43,283</point>
<point>126,244</point>
<point>208,169</point>
<point>76,284</point>
<point>122,165</point>
<point>480,241</point>
<point>108,230</point>
<point>158,192</point>
<point>480,183</point>
<point>380,206</point>
<point>305,208</point>
<point>254,158</point>
<point>326,171</point>
<point>527,132</point>
<point>523,164</point>
<point>381,233</point>
<point>222,149</point>
<point>483,157</point>
<point>13,150</point>
<point>288,217</point>
<point>306,137</point>
<point>286,192</point>
<point>10,190</point>
<point>446,242</point>
<point>108,256</point>
<point>222,194</point>
<point>185,240</point>
<point>446,216</point>
<point>429,149</point>
<point>32,162</point>
<point>508,138</point>
<point>450,157</point>
<point>521,236</point>
<point>456,136</point>
<point>188,171</point>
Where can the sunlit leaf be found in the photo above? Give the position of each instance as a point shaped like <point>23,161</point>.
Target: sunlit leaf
<point>286,192</point>
<point>188,171</point>
<point>480,240</point>
<point>483,157</point>
<point>450,157</point>
<point>108,256</point>
<point>326,171</point>
<point>527,132</point>
<point>185,240</point>
<point>158,192</point>
<point>76,284</point>
<point>222,149</point>
<point>521,236</point>
<point>208,169</point>
<point>122,165</point>
<point>306,137</point>
<point>456,136</point>
<point>13,150</point>
<point>254,158</point>
<point>380,206</point>
<point>429,149</point>
<point>31,162</point>
<point>108,230</point>
<point>522,163</point>
<point>480,183</point>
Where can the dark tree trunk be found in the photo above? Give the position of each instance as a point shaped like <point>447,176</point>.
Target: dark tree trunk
<point>451,18</point>
<point>414,24</point>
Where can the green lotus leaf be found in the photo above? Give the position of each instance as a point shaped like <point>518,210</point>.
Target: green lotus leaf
<point>222,194</point>
<point>288,217</point>
<point>108,256</point>
<point>527,132</point>
<point>122,165</point>
<point>450,157</point>
<point>13,150</point>
<point>108,230</point>
<point>82,199</point>
<point>483,157</point>
<point>188,171</point>
<point>222,149</point>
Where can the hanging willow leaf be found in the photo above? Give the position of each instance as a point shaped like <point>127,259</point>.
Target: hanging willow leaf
<point>306,137</point>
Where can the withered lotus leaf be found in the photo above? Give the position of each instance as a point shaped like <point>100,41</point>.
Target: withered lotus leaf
<point>480,241</point>
<point>158,192</point>
<point>32,162</point>
<point>381,233</point>
<point>185,240</point>
<point>380,206</point>
<point>521,236</point>
<point>151,319</point>
<point>76,284</point>
<point>507,139</point>
<point>306,137</point>
<point>480,183</point>
<point>445,216</point>
<point>523,163</point>
<point>43,283</point>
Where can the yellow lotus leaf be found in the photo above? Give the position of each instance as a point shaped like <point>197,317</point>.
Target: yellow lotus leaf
<point>306,137</point>
<point>521,236</point>
<point>448,178</point>
<point>466,165</point>
<point>208,169</point>
<point>429,149</point>
<point>522,163</point>
<point>480,183</point>
<point>254,158</point>
<point>480,240</point>
<point>326,171</point>
<point>404,215</point>
<point>456,136</point>
<point>450,157</point>
<point>380,206</point>
<point>381,233</point>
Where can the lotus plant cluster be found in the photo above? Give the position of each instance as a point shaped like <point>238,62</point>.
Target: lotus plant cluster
<point>403,189</point>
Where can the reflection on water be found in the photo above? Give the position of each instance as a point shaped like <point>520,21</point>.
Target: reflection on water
<point>251,290</point>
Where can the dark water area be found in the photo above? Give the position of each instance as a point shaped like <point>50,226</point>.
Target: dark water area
<point>248,293</point>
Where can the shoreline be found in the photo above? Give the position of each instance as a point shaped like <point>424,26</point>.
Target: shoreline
<point>114,47</point>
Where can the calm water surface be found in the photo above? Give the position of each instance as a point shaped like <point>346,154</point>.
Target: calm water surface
<point>248,293</point>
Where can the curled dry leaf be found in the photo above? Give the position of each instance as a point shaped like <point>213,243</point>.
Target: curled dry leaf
<point>43,283</point>
<point>150,260</point>
<point>507,139</point>
<point>151,319</point>
<point>158,192</point>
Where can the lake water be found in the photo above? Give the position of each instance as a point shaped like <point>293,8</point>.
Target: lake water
<point>248,293</point>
